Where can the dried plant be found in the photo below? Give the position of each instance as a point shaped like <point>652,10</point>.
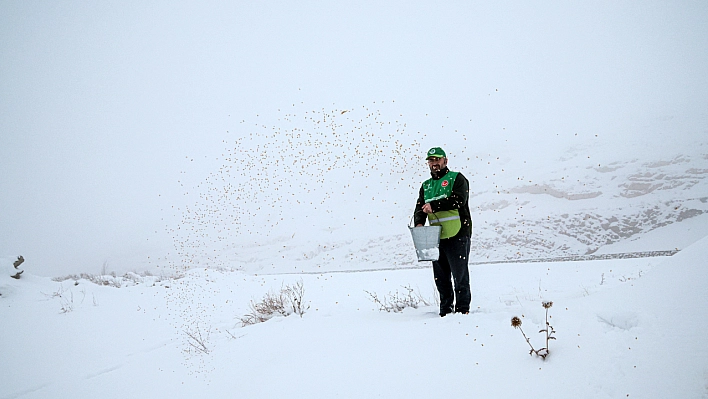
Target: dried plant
<point>115,281</point>
<point>289,300</point>
<point>396,301</point>
<point>295,296</point>
<point>197,340</point>
<point>549,331</point>
<point>270,305</point>
<point>66,298</point>
<point>16,264</point>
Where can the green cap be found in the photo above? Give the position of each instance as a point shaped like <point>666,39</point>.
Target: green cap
<point>436,152</point>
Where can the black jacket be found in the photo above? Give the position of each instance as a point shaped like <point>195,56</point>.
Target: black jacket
<point>457,200</point>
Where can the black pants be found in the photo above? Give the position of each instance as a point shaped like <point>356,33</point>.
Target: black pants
<point>452,265</point>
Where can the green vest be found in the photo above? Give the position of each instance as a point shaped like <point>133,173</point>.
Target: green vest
<point>439,189</point>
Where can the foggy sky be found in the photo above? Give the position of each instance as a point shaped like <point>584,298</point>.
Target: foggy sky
<point>102,101</point>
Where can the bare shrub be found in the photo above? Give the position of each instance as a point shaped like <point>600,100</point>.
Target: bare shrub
<point>397,301</point>
<point>270,305</point>
<point>295,297</point>
<point>289,300</point>
<point>197,339</point>
<point>67,302</point>
<point>113,280</point>
<point>103,280</point>
<point>66,299</point>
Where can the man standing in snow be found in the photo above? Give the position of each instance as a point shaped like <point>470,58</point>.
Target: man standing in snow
<point>443,201</point>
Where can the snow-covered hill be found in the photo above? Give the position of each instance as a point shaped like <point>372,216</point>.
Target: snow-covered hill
<point>318,189</point>
<point>625,327</point>
<point>167,166</point>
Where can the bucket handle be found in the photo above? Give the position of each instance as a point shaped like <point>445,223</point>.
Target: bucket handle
<point>410,224</point>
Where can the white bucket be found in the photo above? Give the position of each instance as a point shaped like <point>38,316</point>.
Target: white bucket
<point>426,240</point>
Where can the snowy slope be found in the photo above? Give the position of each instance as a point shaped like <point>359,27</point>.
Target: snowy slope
<point>624,327</point>
<point>318,188</point>
<point>186,159</point>
<point>258,223</point>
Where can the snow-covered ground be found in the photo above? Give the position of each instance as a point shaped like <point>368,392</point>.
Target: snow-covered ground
<point>624,327</point>
<point>166,167</point>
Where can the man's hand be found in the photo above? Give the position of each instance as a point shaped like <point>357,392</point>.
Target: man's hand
<point>427,208</point>
<point>418,225</point>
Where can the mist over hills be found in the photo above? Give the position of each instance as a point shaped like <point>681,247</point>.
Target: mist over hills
<point>322,184</point>
<point>112,113</point>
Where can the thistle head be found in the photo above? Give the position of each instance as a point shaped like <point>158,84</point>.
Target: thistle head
<point>547,304</point>
<point>515,322</point>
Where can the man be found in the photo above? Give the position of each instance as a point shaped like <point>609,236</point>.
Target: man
<point>443,201</point>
